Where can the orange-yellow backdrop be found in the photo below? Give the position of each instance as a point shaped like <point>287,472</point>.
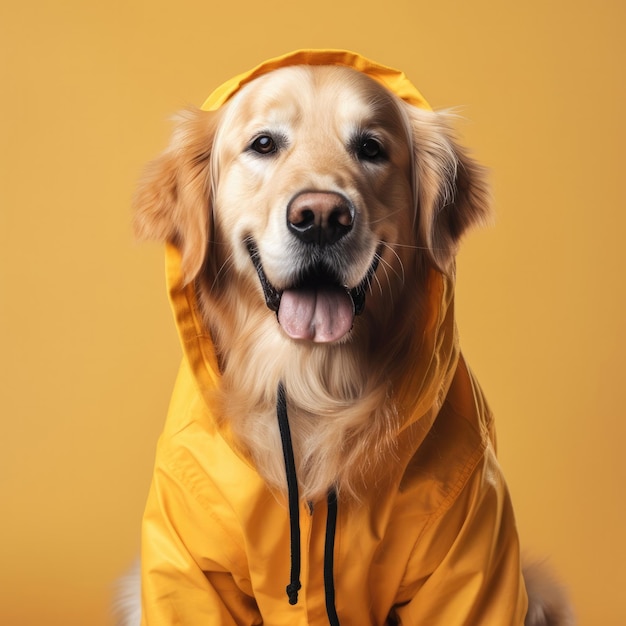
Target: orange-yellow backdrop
<point>88,350</point>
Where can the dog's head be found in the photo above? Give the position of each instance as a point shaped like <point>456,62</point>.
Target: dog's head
<point>314,190</point>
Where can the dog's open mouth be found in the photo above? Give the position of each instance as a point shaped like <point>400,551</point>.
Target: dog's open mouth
<point>318,307</point>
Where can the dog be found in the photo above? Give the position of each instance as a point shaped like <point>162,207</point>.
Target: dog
<point>328,456</point>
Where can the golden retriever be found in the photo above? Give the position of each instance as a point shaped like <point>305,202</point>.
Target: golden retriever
<point>310,212</point>
<point>228,192</point>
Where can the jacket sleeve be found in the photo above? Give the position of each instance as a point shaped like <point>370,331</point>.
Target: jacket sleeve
<point>180,584</point>
<point>465,569</point>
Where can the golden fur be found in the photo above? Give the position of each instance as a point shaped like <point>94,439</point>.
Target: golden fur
<point>210,194</point>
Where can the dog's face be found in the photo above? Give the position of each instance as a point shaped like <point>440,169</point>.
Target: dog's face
<point>313,182</point>
<point>314,192</point>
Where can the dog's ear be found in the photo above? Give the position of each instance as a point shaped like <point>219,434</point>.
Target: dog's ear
<point>452,189</point>
<point>173,198</point>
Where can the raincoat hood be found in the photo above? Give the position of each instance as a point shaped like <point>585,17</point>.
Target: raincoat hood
<point>392,79</point>
<point>437,547</point>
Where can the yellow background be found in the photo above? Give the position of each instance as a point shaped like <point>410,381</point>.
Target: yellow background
<point>88,349</point>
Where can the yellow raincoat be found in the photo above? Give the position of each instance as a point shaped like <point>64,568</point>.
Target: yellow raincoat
<point>439,548</point>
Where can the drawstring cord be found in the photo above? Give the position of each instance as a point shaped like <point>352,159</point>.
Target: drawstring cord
<point>294,518</point>
<point>294,499</point>
<point>329,552</point>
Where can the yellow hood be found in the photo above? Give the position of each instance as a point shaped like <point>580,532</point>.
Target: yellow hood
<point>394,80</point>
<point>437,545</point>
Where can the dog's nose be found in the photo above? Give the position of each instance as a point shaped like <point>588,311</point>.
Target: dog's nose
<point>321,217</point>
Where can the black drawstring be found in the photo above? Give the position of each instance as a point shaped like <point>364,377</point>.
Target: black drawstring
<point>329,553</point>
<point>294,499</point>
<point>294,518</point>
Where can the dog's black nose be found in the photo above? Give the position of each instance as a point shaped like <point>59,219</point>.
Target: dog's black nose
<point>320,217</point>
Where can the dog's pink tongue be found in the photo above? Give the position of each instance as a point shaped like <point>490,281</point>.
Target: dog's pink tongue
<point>321,314</point>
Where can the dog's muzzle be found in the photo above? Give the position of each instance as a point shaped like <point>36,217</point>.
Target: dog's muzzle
<point>318,307</point>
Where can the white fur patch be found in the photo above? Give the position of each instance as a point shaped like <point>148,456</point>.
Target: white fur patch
<point>548,603</point>
<point>127,599</point>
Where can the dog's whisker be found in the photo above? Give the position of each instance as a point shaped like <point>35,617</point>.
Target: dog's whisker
<point>386,217</point>
<point>413,247</point>
<point>226,265</point>
<point>380,287</point>
<point>384,269</point>
<point>390,291</point>
<point>401,275</point>
<point>409,246</point>
<point>223,270</point>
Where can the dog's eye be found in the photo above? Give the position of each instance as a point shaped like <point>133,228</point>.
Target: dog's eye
<point>264,144</point>
<point>369,149</point>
